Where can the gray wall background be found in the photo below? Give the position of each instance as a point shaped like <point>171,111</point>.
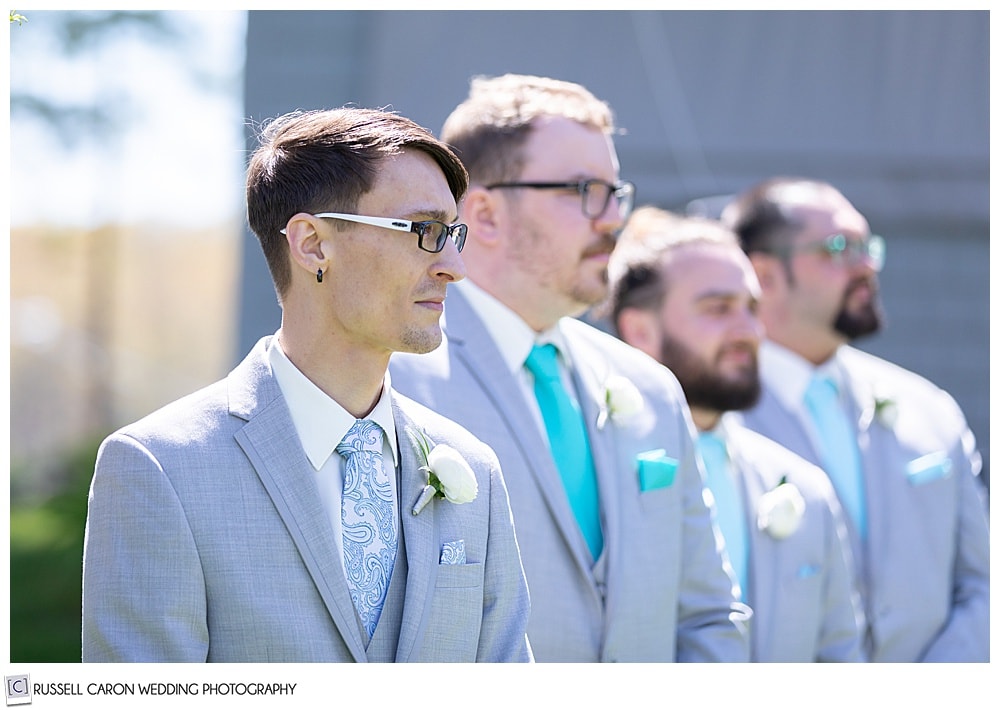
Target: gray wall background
<point>892,107</point>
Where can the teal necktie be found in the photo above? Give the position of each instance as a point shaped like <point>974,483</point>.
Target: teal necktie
<point>839,443</point>
<point>730,515</point>
<point>569,444</point>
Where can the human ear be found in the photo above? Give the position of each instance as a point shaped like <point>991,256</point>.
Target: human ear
<point>640,329</point>
<point>306,247</point>
<point>481,212</point>
<point>770,271</point>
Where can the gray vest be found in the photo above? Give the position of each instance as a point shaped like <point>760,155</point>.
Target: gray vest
<point>382,646</point>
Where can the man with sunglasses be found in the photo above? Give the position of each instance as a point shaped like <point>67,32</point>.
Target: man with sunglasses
<point>300,510</point>
<point>897,448</point>
<point>594,437</point>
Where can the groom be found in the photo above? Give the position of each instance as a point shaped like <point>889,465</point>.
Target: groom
<point>274,516</point>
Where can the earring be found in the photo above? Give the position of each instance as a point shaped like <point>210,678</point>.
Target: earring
<point>319,276</point>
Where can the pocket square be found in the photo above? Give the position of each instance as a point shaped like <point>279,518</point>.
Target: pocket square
<point>806,571</point>
<point>928,468</point>
<point>453,553</point>
<point>656,470</point>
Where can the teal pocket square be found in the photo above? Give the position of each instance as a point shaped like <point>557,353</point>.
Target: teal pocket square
<point>928,468</point>
<point>656,470</point>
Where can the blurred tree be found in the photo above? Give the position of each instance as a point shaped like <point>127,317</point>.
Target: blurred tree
<point>75,33</point>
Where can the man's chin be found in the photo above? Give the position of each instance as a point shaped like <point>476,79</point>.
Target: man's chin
<point>421,342</point>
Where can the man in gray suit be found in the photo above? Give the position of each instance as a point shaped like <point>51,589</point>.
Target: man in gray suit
<point>300,510</point>
<point>594,436</point>
<point>905,467</point>
<point>685,293</point>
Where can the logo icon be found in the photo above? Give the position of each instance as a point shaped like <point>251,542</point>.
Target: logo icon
<point>18,689</point>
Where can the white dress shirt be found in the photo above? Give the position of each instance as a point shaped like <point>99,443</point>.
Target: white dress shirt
<point>787,374</point>
<point>515,339</point>
<point>321,424</point>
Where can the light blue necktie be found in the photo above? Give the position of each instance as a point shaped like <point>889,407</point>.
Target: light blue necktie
<point>839,447</point>
<point>730,515</point>
<point>369,521</point>
<point>568,440</point>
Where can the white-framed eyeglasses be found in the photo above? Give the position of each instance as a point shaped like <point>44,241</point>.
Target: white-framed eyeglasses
<point>432,234</point>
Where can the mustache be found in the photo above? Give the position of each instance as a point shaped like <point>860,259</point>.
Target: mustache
<point>606,245</point>
<point>861,282</point>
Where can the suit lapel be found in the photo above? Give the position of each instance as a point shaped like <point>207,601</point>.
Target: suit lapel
<point>590,383</point>
<point>474,348</point>
<point>420,533</point>
<point>272,445</point>
<point>764,557</point>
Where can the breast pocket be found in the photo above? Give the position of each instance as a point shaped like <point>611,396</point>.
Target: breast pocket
<point>456,614</point>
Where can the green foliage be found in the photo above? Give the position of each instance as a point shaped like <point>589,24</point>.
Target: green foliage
<point>46,553</point>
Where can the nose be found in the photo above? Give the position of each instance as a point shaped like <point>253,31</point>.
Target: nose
<point>449,266</point>
<point>748,326</point>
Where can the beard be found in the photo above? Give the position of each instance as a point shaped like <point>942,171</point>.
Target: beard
<point>703,386</point>
<point>866,320</point>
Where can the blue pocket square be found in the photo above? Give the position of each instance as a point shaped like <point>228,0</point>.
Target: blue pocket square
<point>453,553</point>
<point>656,470</point>
<point>806,571</point>
<point>928,468</point>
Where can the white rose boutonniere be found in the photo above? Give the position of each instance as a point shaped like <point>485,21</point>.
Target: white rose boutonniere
<point>622,400</point>
<point>780,510</point>
<point>449,476</point>
<point>886,411</point>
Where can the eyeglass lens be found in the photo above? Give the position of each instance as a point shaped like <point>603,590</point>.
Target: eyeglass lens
<point>597,194</point>
<point>433,235</point>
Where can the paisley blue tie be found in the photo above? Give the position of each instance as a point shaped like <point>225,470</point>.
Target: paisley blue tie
<point>730,515</point>
<point>569,443</point>
<point>839,454</point>
<point>369,521</point>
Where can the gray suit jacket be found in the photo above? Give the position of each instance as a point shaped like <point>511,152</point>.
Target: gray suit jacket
<point>924,570</point>
<point>206,541</point>
<point>666,594</point>
<point>801,588</point>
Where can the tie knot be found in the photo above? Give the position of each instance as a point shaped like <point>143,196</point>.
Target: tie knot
<point>364,435</point>
<point>542,362</point>
<point>712,449</point>
<point>822,390</point>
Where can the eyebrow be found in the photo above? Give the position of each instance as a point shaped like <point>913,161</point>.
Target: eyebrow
<point>430,214</point>
<point>717,293</point>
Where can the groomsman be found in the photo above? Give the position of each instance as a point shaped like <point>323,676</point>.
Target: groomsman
<point>289,513</point>
<point>685,293</point>
<point>897,448</point>
<point>594,437</point>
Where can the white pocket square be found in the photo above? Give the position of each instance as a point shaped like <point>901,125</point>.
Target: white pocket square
<point>453,553</point>
<point>928,468</point>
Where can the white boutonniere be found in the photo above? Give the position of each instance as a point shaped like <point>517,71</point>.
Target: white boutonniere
<point>622,400</point>
<point>886,411</point>
<point>780,510</point>
<point>449,476</point>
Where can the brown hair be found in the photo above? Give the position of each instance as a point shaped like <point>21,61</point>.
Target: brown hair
<point>489,128</point>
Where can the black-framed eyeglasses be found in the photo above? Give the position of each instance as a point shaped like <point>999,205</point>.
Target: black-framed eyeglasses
<point>432,234</point>
<point>839,248</point>
<point>594,194</point>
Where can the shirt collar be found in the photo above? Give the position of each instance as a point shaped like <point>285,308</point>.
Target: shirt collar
<point>512,336</point>
<point>319,420</point>
<point>787,373</point>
